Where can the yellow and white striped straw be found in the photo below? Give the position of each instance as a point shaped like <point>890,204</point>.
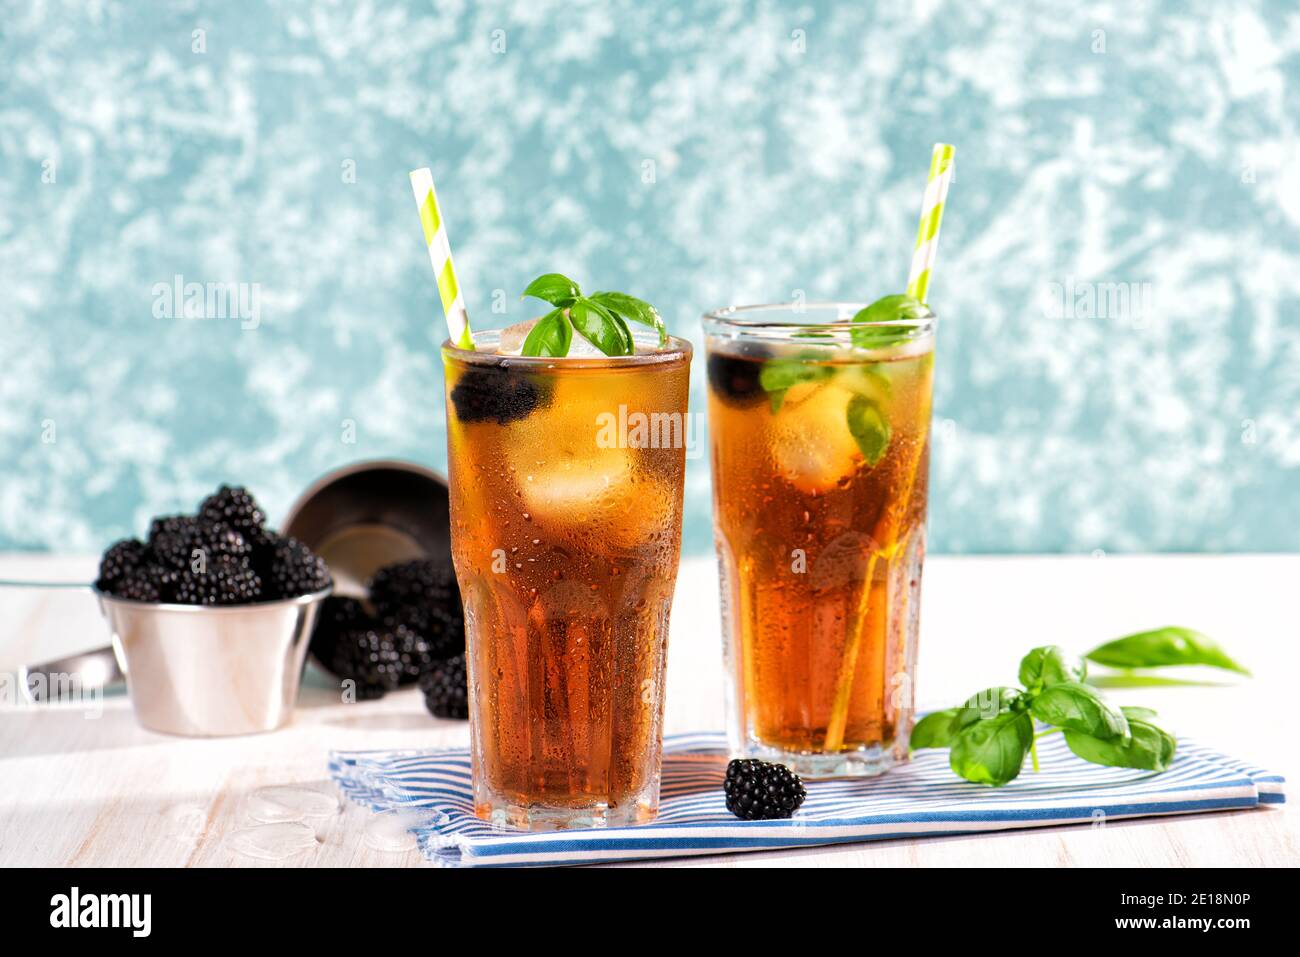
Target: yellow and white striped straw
<point>435,236</point>
<point>927,234</point>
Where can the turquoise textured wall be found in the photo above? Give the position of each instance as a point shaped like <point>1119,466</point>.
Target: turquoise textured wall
<point>1119,280</point>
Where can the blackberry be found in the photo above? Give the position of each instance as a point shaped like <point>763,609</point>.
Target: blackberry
<point>344,620</point>
<point>225,580</point>
<point>138,584</point>
<point>442,632</point>
<point>415,653</point>
<point>495,392</point>
<point>337,616</point>
<point>760,791</point>
<point>234,506</point>
<point>121,558</point>
<point>173,539</point>
<point>422,596</point>
<point>413,583</point>
<point>370,658</point>
<point>147,582</point>
<point>165,578</point>
<point>446,690</point>
<point>735,380</point>
<point>289,569</point>
<point>220,539</point>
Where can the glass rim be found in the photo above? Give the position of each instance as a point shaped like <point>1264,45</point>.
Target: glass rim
<point>755,319</point>
<point>673,350</point>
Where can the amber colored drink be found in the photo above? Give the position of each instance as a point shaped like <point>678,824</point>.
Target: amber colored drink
<point>566,508</point>
<point>820,463</point>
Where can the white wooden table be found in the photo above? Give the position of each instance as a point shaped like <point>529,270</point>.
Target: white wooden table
<point>102,791</point>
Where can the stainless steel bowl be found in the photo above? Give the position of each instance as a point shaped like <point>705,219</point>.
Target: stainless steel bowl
<point>212,670</point>
<point>364,516</point>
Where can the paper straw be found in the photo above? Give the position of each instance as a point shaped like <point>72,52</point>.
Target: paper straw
<point>435,236</point>
<point>927,234</point>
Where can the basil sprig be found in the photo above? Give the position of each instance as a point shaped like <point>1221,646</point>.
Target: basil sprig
<point>601,318</point>
<point>992,733</point>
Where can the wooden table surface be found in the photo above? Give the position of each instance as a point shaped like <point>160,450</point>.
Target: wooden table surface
<point>90,790</point>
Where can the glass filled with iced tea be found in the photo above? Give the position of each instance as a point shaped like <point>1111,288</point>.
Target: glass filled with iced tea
<point>566,508</point>
<point>820,434</point>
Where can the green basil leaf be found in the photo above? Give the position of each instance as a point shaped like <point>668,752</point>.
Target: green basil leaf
<point>637,310</point>
<point>935,730</point>
<point>1134,713</point>
<point>869,428</point>
<point>1161,647</point>
<point>777,375</point>
<point>1050,665</point>
<point>992,750</point>
<point>1077,707</point>
<point>1147,748</point>
<point>551,336</point>
<point>600,327</point>
<point>875,332</point>
<point>989,703</point>
<point>553,288</point>
<point>896,308</point>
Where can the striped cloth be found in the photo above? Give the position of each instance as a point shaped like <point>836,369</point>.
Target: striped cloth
<point>430,791</point>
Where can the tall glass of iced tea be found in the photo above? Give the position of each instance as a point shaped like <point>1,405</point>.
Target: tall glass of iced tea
<point>820,439</point>
<point>566,514</point>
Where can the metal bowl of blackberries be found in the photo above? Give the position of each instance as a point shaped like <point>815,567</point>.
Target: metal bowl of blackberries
<point>212,614</point>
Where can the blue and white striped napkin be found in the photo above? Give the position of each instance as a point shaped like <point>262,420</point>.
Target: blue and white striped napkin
<point>431,790</point>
